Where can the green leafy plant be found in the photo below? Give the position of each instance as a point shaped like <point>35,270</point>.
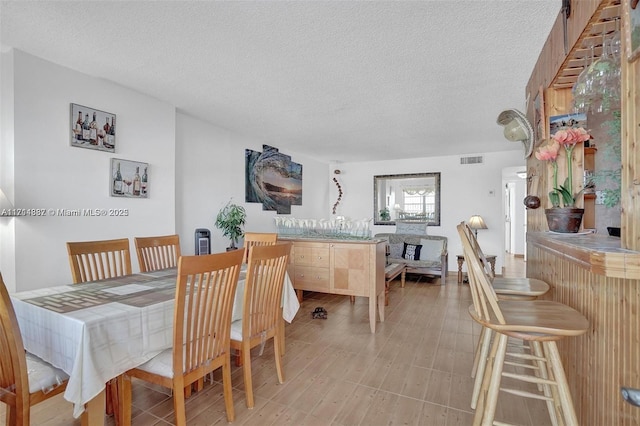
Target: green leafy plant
<point>231,219</point>
<point>385,215</point>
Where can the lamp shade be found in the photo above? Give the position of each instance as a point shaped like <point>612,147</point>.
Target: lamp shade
<point>476,222</point>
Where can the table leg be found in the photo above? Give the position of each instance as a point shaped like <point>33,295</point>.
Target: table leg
<point>124,400</point>
<point>387,283</point>
<point>281,325</point>
<point>460,262</point>
<point>94,411</point>
<point>372,312</point>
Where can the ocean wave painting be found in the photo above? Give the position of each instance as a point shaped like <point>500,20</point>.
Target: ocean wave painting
<point>271,178</point>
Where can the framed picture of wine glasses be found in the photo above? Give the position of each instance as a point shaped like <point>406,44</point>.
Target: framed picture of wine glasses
<point>632,16</point>
<point>129,179</point>
<point>92,128</point>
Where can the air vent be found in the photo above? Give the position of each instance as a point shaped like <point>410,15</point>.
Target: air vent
<point>471,160</point>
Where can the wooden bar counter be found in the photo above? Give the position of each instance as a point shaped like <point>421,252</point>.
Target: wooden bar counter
<point>595,276</point>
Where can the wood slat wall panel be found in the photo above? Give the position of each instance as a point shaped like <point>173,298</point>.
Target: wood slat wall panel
<point>553,55</point>
<point>608,356</point>
<point>630,150</point>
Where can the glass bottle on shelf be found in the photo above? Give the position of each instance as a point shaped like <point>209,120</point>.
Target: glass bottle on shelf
<point>117,182</point>
<point>136,183</point>
<point>93,129</point>
<point>143,183</point>
<point>85,128</point>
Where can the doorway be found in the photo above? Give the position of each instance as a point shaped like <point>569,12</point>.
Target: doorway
<point>514,211</point>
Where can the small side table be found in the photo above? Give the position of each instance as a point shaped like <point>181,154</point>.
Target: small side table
<point>491,258</point>
<point>391,271</point>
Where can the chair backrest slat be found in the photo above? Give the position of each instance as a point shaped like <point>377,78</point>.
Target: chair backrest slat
<point>159,252</point>
<point>263,289</point>
<point>478,250</point>
<point>205,291</point>
<point>98,260</point>
<point>14,382</point>
<point>252,239</point>
<point>485,300</point>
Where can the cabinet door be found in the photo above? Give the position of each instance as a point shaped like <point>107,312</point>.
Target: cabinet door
<point>350,269</point>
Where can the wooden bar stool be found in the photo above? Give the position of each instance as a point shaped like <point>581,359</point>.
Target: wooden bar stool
<point>540,323</point>
<point>506,289</point>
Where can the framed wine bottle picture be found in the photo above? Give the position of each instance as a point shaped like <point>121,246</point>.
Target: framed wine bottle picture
<point>92,128</point>
<point>129,179</point>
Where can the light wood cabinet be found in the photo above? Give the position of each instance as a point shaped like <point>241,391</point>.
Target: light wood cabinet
<point>350,268</point>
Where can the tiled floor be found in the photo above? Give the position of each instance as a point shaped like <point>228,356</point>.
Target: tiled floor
<point>414,370</point>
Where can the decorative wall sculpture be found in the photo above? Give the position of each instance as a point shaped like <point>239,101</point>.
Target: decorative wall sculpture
<point>271,178</point>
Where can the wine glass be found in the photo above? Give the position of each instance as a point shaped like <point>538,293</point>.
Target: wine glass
<point>582,87</point>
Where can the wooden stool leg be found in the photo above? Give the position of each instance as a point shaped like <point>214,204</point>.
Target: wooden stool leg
<point>549,391</point>
<point>551,349</point>
<point>477,418</point>
<point>480,364</point>
<point>495,379</point>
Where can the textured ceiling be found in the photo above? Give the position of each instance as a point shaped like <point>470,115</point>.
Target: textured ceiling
<point>339,81</point>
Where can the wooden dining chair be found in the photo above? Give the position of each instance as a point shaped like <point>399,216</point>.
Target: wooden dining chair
<point>97,260</point>
<point>262,312</point>
<point>156,253</point>
<point>252,239</point>
<point>25,380</point>
<point>205,290</point>
<point>541,323</point>
<point>505,288</point>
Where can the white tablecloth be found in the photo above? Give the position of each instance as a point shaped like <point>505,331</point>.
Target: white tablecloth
<point>96,340</point>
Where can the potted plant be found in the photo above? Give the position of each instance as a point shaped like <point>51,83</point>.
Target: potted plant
<point>385,215</point>
<point>231,219</point>
<point>568,217</point>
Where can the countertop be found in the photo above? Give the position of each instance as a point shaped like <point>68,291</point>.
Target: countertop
<point>600,254</point>
<point>330,240</point>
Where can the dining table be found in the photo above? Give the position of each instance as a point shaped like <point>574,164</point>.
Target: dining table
<point>96,331</point>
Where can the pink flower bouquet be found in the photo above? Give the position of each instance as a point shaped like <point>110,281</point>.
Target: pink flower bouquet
<point>567,138</point>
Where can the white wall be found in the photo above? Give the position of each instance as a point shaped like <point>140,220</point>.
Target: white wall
<point>465,191</point>
<point>195,168</point>
<point>48,173</point>
<point>212,165</point>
